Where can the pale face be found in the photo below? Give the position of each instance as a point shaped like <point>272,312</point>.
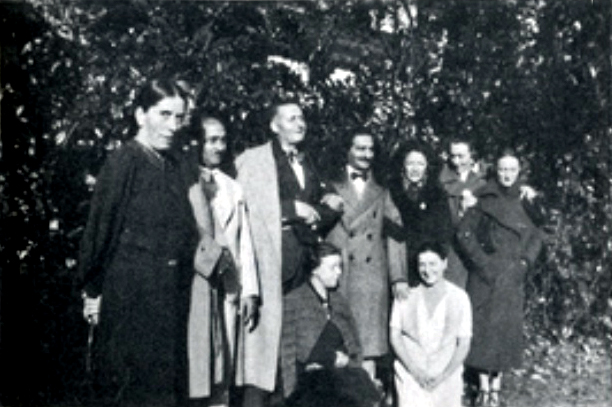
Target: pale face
<point>431,268</point>
<point>289,124</point>
<point>361,153</point>
<point>215,143</point>
<point>158,124</point>
<point>461,157</point>
<point>508,169</point>
<point>415,166</point>
<point>329,271</point>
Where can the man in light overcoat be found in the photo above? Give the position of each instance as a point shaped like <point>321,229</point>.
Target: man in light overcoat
<point>287,209</point>
<point>226,295</point>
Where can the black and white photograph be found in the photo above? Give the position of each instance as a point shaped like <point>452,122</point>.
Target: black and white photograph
<point>313,203</point>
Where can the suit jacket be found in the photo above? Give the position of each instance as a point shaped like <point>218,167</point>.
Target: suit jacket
<point>454,187</point>
<point>373,259</point>
<point>229,213</point>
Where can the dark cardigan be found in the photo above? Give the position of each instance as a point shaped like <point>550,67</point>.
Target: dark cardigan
<point>304,319</point>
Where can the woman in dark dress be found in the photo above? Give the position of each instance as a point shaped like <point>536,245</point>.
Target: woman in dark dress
<point>499,238</point>
<point>421,201</point>
<point>320,351</point>
<point>136,261</point>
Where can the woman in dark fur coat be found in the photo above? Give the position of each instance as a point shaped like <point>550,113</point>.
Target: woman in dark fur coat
<point>421,201</point>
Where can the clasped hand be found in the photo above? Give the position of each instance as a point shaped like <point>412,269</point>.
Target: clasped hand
<point>306,212</point>
<point>427,381</point>
<point>334,201</point>
<point>342,360</point>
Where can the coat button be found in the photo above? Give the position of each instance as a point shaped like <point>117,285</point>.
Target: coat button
<point>374,214</point>
<point>351,257</point>
<point>172,262</point>
<point>352,234</point>
<point>368,259</point>
<point>369,236</point>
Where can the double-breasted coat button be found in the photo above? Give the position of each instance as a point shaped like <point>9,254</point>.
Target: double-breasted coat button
<point>351,257</point>
<point>369,236</point>
<point>368,259</point>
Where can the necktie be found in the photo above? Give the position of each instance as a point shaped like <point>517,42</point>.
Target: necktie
<point>209,186</point>
<point>362,175</point>
<point>206,222</point>
<point>295,157</point>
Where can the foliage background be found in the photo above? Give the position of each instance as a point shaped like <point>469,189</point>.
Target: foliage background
<point>532,73</point>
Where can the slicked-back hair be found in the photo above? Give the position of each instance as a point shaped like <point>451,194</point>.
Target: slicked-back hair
<point>276,104</point>
<point>198,133</point>
<point>157,89</point>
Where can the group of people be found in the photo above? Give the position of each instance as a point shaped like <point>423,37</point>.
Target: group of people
<point>252,281</point>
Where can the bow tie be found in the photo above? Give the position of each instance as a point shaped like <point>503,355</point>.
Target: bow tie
<point>362,175</point>
<point>294,156</point>
<point>208,174</point>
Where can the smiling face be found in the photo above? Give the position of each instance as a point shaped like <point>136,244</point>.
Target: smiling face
<point>214,143</point>
<point>508,169</point>
<point>431,267</point>
<point>289,125</point>
<point>361,153</point>
<point>415,166</point>
<point>158,124</point>
<point>461,157</point>
<point>329,271</point>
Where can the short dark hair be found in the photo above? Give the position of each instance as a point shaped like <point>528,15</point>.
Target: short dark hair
<point>433,246</point>
<point>319,251</point>
<point>157,89</point>
<point>460,140</point>
<point>277,103</point>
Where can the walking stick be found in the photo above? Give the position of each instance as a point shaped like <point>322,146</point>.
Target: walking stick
<point>89,369</point>
<point>90,339</point>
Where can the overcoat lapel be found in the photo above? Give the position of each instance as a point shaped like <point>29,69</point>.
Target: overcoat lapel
<point>269,178</point>
<point>355,207</point>
<point>261,186</point>
<point>224,202</point>
<point>511,217</point>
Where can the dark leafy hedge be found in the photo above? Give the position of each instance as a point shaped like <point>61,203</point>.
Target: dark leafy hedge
<point>534,74</point>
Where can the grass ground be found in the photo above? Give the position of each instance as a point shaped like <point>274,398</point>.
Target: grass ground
<point>565,374</point>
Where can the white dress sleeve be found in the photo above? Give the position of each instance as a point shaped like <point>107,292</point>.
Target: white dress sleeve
<point>465,323</point>
<point>396,315</point>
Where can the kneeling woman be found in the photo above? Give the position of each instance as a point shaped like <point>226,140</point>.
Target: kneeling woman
<point>430,334</point>
<point>320,352</point>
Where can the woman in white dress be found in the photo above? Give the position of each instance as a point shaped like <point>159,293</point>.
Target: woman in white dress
<point>430,334</point>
